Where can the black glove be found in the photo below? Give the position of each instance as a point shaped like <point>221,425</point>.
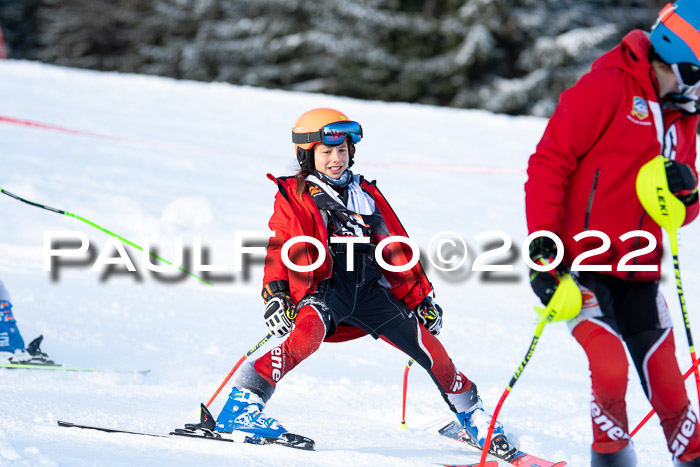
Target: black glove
<point>543,250</point>
<point>430,315</point>
<point>682,182</point>
<point>279,309</point>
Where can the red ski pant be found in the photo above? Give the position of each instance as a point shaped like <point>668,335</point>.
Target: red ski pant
<point>409,337</point>
<point>662,380</point>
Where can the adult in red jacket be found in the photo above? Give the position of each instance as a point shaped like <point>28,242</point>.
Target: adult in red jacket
<point>638,101</point>
<point>344,291</point>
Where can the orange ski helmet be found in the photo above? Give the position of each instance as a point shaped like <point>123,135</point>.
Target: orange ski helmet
<point>323,125</point>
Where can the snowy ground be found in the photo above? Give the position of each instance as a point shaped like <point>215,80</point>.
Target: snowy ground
<point>189,160</point>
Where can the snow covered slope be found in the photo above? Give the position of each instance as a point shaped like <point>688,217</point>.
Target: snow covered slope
<point>162,159</point>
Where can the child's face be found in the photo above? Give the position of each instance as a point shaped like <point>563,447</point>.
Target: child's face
<point>332,160</point>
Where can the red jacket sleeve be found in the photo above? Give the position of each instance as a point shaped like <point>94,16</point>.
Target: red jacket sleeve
<point>275,269</point>
<point>581,117</point>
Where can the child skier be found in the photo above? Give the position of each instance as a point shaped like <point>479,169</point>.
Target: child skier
<point>349,295</point>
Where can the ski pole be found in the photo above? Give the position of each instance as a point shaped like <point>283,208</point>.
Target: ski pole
<point>92,224</point>
<point>492,425</point>
<point>405,388</point>
<point>669,212</point>
<point>564,305</point>
<point>235,367</point>
<point>693,367</point>
<point>684,310</point>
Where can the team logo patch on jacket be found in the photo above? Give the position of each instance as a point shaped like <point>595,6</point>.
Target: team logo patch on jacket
<point>315,190</point>
<point>640,109</point>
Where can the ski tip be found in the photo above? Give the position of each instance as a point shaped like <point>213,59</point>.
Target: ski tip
<point>299,442</point>
<point>289,440</point>
<point>450,426</point>
<point>62,423</point>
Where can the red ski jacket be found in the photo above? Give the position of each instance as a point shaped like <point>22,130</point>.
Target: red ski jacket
<point>583,172</point>
<point>295,216</point>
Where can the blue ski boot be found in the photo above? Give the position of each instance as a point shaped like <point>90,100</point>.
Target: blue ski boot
<point>476,421</point>
<point>243,412</point>
<point>10,338</point>
<point>11,342</point>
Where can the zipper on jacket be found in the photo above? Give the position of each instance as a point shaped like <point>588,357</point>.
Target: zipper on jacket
<point>590,199</point>
<point>422,293</point>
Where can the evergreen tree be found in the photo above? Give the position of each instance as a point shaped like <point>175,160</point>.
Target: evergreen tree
<point>512,56</point>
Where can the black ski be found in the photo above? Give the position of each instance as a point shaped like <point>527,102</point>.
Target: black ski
<point>207,425</point>
<point>204,430</point>
<point>289,440</point>
<point>110,430</point>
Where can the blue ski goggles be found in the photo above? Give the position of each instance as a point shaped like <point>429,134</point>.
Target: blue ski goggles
<point>332,134</point>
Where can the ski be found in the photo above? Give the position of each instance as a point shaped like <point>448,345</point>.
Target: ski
<point>207,424</point>
<point>41,366</point>
<point>61,367</point>
<point>515,457</point>
<point>35,359</point>
<point>288,439</point>
<point>486,464</point>
<point>110,430</point>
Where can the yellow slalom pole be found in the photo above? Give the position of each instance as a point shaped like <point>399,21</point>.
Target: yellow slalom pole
<point>564,305</point>
<point>669,212</point>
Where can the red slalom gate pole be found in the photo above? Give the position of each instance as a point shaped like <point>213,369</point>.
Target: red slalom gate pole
<point>692,369</point>
<point>405,390</point>
<point>240,362</point>
<point>492,425</point>
<point>513,380</point>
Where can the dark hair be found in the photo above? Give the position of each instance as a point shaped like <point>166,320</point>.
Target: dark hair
<point>300,177</point>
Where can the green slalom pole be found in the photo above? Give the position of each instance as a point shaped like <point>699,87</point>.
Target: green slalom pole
<point>98,227</point>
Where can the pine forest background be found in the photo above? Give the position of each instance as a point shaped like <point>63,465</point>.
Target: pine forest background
<point>509,56</point>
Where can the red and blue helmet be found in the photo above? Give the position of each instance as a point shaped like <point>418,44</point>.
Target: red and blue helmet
<point>676,39</point>
<point>676,34</point>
